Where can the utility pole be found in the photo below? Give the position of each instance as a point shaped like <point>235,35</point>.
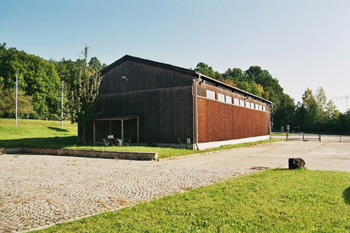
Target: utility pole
<point>62,106</point>
<point>16,96</point>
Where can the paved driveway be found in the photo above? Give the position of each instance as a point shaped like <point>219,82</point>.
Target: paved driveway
<point>328,155</point>
<point>42,190</point>
<point>38,190</point>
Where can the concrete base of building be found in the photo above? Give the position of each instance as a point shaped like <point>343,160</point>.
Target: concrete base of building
<point>206,145</point>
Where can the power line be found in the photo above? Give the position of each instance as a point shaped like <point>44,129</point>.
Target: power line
<point>346,98</point>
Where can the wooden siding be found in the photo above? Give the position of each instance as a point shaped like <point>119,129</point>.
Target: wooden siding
<point>162,98</point>
<point>219,121</point>
<point>141,77</point>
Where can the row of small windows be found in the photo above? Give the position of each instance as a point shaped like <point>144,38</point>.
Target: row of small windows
<point>236,101</point>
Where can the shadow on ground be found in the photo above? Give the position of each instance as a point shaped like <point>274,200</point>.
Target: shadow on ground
<point>56,142</point>
<point>57,129</point>
<point>346,196</point>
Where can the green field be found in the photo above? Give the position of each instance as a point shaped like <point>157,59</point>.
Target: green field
<point>38,133</point>
<point>269,201</point>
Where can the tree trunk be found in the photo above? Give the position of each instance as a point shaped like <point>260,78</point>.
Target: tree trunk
<point>84,137</point>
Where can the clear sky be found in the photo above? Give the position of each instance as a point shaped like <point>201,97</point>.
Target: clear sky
<point>302,43</point>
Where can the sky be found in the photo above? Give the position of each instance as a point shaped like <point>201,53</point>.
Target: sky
<point>302,43</point>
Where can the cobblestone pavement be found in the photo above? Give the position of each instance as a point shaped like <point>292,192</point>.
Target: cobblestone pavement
<point>38,191</point>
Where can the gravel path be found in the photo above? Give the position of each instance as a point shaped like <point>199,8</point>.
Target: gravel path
<point>37,191</point>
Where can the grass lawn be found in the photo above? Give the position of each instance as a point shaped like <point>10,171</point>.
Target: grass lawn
<point>269,201</point>
<point>38,133</point>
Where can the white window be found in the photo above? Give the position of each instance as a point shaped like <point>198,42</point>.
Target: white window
<point>247,104</point>
<point>241,103</point>
<point>228,99</point>
<point>221,97</point>
<point>252,105</point>
<point>210,94</point>
<point>264,108</point>
<point>257,106</point>
<point>236,101</point>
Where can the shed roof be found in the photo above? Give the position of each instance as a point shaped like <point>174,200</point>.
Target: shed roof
<point>180,70</point>
<point>116,118</point>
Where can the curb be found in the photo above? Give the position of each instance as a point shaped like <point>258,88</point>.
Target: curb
<point>82,153</point>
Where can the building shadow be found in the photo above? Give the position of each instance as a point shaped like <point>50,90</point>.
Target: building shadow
<point>346,196</point>
<point>57,129</point>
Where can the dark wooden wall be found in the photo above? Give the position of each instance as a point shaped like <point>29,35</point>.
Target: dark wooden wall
<point>219,121</point>
<point>163,99</point>
<point>141,77</point>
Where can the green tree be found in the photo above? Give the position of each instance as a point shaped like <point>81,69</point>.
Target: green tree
<point>8,100</point>
<point>300,117</point>
<point>244,86</point>
<point>344,123</point>
<point>311,108</point>
<point>321,101</point>
<point>285,113</point>
<point>235,74</point>
<point>205,69</point>
<point>36,77</point>
<point>84,92</point>
<point>332,111</point>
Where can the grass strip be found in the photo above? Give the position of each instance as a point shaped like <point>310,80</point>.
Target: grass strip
<point>269,201</point>
<point>167,152</point>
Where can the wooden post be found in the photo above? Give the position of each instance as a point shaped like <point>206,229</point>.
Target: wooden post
<point>93,130</point>
<point>122,128</point>
<point>110,127</point>
<point>138,129</point>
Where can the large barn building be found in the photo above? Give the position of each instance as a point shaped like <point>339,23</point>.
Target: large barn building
<point>147,102</point>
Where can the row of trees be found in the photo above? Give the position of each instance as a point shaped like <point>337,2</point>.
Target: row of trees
<point>316,114</point>
<point>313,114</point>
<point>40,84</point>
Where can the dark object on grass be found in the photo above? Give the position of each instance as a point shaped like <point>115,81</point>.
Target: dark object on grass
<point>295,163</point>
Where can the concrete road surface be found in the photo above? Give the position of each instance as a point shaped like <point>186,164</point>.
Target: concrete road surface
<point>329,155</point>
